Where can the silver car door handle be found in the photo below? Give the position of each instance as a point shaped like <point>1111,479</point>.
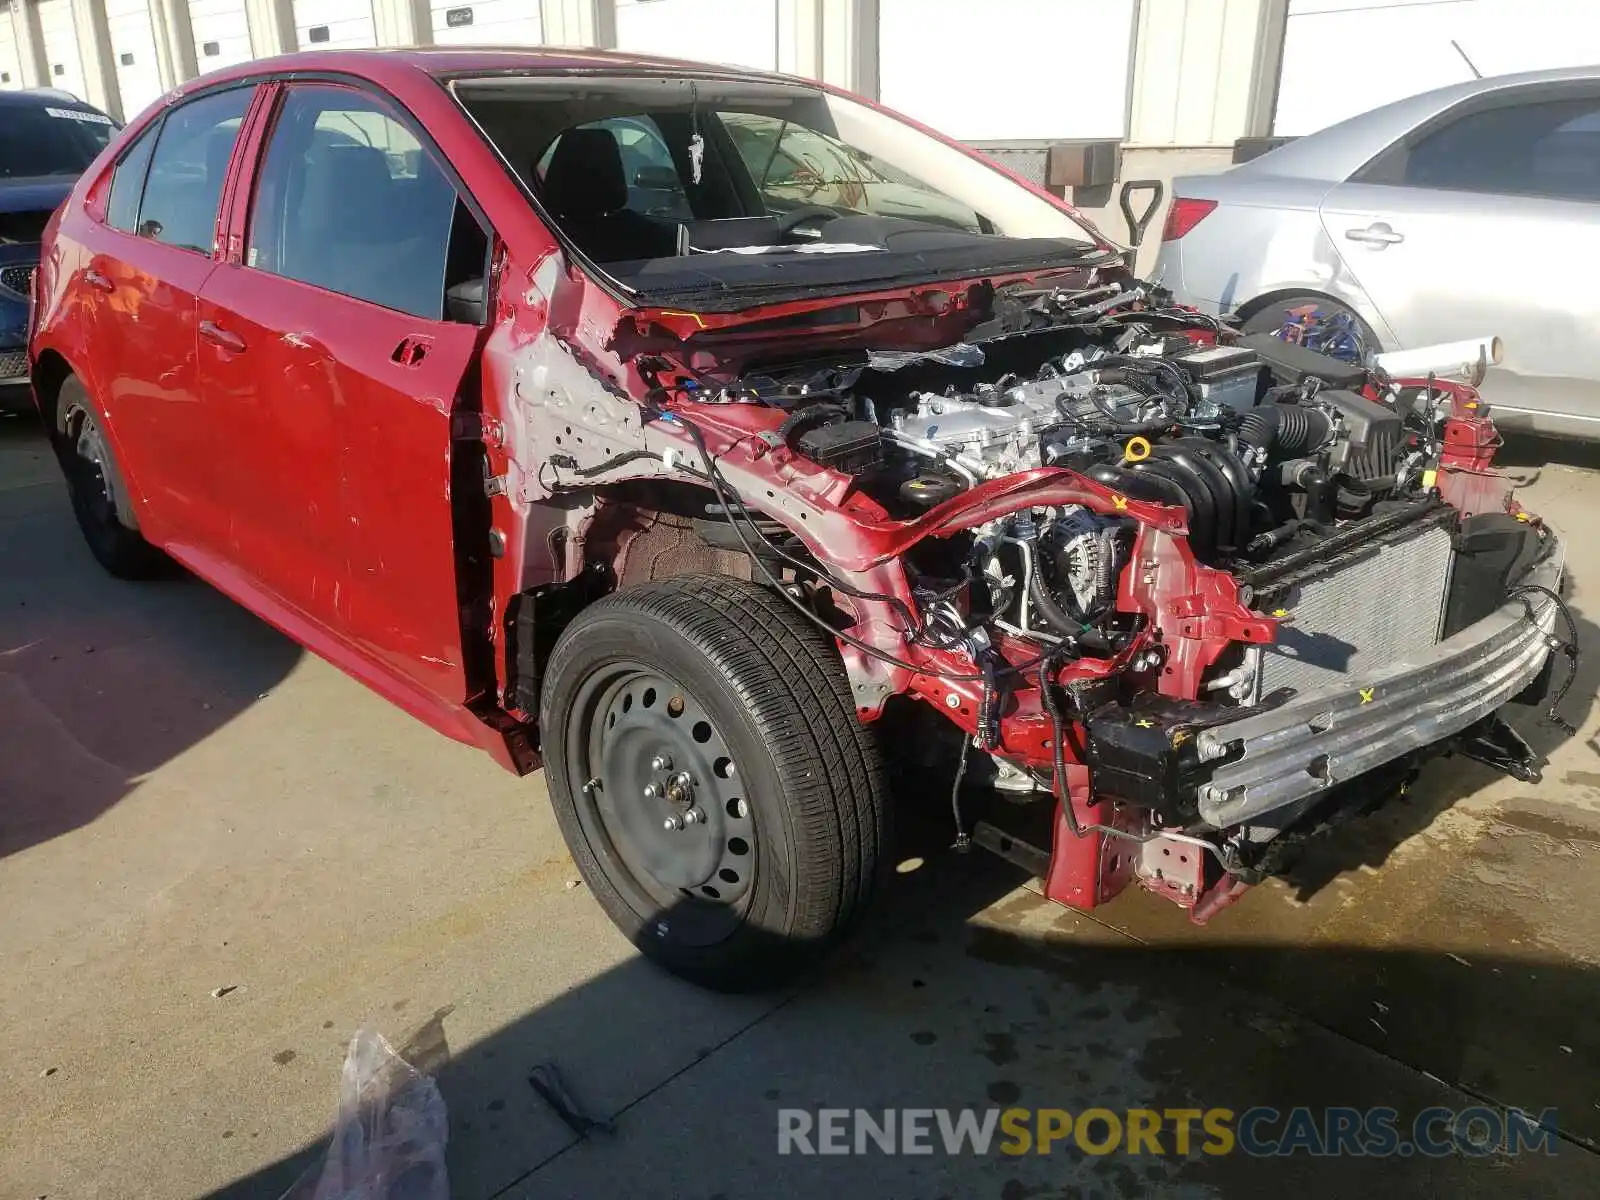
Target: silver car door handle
<point>1378,234</point>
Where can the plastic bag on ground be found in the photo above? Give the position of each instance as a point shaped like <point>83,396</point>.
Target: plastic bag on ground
<point>389,1140</point>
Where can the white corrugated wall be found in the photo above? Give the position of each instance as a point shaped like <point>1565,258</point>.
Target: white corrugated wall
<point>738,32</point>
<point>1005,70</point>
<point>334,24</point>
<point>486,22</point>
<point>10,56</point>
<point>60,37</point>
<point>1343,57</point>
<point>133,54</point>
<point>221,33</point>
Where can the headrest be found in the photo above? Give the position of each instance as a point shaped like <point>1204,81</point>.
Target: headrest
<point>348,190</point>
<point>585,176</point>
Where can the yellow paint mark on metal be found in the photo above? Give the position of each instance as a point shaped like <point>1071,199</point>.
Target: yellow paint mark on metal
<point>1280,613</point>
<point>1144,724</point>
<point>1119,502</point>
<point>1366,695</point>
<point>695,317</point>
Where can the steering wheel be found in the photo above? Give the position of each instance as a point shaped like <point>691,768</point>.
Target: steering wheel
<point>803,215</point>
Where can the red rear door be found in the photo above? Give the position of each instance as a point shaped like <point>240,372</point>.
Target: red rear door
<point>144,266</point>
<point>328,357</point>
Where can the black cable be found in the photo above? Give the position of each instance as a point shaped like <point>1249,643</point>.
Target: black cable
<point>568,463</point>
<point>848,589</point>
<point>963,842</point>
<point>723,488</point>
<point>1058,750</point>
<point>1058,728</point>
<point>1552,714</point>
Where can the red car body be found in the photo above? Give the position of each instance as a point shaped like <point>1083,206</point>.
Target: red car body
<point>363,478</point>
<point>282,501</point>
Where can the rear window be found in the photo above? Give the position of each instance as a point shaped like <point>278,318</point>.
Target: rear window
<point>50,140</point>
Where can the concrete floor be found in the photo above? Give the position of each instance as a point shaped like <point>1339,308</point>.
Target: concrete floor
<point>188,803</point>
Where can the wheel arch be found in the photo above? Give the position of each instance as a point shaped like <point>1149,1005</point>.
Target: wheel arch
<point>51,371</point>
<point>1356,304</point>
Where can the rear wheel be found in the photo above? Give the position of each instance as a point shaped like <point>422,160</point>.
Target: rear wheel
<point>710,776</point>
<point>1317,323</point>
<point>95,485</point>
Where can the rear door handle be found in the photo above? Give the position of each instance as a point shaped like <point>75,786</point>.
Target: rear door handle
<point>1377,235</point>
<point>218,336</point>
<point>98,281</point>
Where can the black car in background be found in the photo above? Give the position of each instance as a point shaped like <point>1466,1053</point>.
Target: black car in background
<point>46,140</point>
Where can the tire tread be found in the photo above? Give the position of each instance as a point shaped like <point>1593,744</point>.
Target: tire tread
<point>789,676</point>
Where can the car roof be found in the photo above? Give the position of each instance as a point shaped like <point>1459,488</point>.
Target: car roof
<point>44,98</point>
<point>1337,152</point>
<point>451,61</point>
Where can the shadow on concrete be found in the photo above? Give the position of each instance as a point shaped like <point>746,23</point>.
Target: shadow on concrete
<point>1368,840</point>
<point>101,681</point>
<point>1523,452</point>
<point>1024,1004</point>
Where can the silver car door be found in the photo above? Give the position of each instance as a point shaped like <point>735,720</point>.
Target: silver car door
<point>1479,225</point>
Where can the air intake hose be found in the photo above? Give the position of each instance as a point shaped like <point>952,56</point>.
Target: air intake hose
<point>1283,430</point>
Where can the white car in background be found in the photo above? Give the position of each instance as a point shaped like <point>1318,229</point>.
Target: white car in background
<point>1466,212</point>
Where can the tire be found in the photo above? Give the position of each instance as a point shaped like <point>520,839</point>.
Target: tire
<point>1322,310</point>
<point>751,702</point>
<point>95,484</point>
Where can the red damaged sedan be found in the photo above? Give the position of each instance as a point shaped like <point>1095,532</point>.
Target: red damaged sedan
<point>718,441</point>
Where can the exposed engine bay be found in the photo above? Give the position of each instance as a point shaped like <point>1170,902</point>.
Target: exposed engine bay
<point>1268,450</point>
<point>1255,441</point>
<point>1209,592</point>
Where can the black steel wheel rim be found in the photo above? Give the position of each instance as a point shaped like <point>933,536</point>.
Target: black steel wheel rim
<point>90,490</point>
<point>662,802</point>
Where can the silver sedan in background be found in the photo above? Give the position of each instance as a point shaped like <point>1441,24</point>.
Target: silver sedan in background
<point>1471,211</point>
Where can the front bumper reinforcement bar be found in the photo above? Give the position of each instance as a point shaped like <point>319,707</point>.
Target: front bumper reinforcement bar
<point>1334,734</point>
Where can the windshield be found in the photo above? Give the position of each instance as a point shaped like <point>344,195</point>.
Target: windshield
<point>53,140</point>
<point>690,189</point>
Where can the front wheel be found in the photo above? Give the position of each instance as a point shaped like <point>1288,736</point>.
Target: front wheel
<point>711,778</point>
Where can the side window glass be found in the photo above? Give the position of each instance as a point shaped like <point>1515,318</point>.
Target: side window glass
<point>187,169</point>
<point>792,165</point>
<point>348,201</point>
<point>1549,149</point>
<point>655,188</point>
<point>127,183</point>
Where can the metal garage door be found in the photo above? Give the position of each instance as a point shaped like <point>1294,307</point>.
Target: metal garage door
<point>1009,69</point>
<point>10,59</point>
<point>133,54</point>
<point>61,47</point>
<point>221,33</point>
<point>741,32</point>
<point>334,24</point>
<point>487,22</point>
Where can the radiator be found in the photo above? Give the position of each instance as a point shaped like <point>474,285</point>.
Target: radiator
<point>1361,615</point>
